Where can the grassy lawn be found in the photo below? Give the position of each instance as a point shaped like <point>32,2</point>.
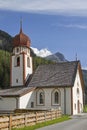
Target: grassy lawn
<point>61,119</point>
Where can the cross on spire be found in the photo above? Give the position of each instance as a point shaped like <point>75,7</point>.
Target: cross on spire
<point>76,57</point>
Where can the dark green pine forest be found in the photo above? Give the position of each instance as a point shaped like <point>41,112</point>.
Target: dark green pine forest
<point>4,69</point>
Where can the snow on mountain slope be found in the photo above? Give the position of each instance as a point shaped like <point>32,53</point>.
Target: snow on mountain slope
<point>45,53</point>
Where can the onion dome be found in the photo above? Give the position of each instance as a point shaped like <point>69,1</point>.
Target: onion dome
<point>21,39</point>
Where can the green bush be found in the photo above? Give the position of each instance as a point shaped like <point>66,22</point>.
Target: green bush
<point>85,108</point>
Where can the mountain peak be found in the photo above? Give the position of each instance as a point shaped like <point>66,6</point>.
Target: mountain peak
<point>57,57</point>
<point>45,53</point>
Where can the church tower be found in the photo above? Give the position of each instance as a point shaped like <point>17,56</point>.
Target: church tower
<point>21,60</point>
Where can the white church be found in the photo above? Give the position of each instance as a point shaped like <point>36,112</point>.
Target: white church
<point>53,86</point>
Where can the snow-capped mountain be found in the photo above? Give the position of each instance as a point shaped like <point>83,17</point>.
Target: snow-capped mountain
<point>45,53</point>
<point>42,53</point>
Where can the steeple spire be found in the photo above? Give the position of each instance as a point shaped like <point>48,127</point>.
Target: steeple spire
<point>21,25</point>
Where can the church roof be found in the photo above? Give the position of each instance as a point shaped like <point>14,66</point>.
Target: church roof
<point>15,91</point>
<point>52,75</point>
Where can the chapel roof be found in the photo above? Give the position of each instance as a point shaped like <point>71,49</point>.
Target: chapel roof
<point>55,75</point>
<point>15,91</point>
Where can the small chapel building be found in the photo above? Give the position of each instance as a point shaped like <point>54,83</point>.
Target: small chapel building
<point>53,86</point>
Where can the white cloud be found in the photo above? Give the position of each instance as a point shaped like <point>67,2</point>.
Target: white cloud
<point>42,53</point>
<point>84,68</point>
<point>72,7</point>
<point>79,26</point>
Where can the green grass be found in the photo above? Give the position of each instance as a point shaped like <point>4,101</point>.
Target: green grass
<point>39,125</point>
<point>85,108</point>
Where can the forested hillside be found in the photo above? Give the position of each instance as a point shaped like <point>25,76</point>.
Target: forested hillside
<point>4,69</point>
<point>5,41</point>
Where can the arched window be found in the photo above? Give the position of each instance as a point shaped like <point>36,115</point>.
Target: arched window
<point>78,91</point>
<point>17,50</point>
<point>41,98</point>
<point>28,62</point>
<point>55,97</point>
<point>18,61</point>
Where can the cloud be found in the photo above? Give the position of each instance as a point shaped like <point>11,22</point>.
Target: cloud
<point>42,53</point>
<point>79,26</point>
<point>70,7</point>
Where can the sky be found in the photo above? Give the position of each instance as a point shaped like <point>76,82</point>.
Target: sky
<point>57,25</point>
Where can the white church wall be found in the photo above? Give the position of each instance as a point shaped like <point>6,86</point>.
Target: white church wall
<point>68,100</point>
<point>77,96</point>
<point>48,99</point>
<point>26,100</point>
<point>17,72</point>
<point>62,100</point>
<point>29,69</point>
<point>7,104</point>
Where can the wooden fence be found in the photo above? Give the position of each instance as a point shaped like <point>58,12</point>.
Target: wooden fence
<point>7,122</point>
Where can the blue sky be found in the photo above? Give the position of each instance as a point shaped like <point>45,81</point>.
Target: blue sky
<point>59,26</point>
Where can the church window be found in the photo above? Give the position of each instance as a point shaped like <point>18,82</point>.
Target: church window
<point>41,98</point>
<point>18,61</point>
<point>32,104</point>
<point>16,80</point>
<point>55,97</point>
<point>17,50</point>
<point>78,91</point>
<point>28,62</point>
<point>78,84</point>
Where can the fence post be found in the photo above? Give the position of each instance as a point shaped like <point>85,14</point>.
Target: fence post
<point>25,116</point>
<point>51,115</point>
<point>10,122</point>
<point>36,117</point>
<point>45,115</point>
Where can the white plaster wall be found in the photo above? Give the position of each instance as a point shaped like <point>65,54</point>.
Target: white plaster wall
<point>68,100</point>
<point>7,104</point>
<point>25,101</point>
<point>77,97</point>
<point>17,72</point>
<point>62,100</point>
<point>48,99</point>
<point>28,70</point>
